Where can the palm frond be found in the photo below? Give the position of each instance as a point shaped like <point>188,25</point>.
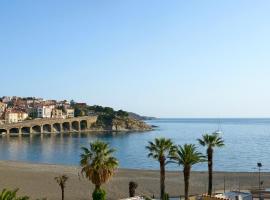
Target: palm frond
<point>98,163</point>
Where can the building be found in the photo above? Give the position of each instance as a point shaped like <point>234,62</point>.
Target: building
<point>14,116</point>
<point>63,104</point>
<point>232,195</point>
<point>69,112</point>
<point>44,111</point>
<point>57,113</point>
<point>80,104</point>
<point>3,107</point>
<point>6,99</point>
<point>134,198</point>
<point>238,195</point>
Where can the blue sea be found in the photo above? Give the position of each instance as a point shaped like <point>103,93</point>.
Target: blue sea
<point>247,141</point>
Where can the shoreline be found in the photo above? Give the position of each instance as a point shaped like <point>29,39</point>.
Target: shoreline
<point>126,169</point>
<point>37,181</point>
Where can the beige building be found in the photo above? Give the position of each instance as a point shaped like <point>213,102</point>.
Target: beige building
<point>57,113</point>
<point>14,116</point>
<point>69,112</point>
<point>3,107</point>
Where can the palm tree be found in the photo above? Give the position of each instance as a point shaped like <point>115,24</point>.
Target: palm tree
<point>98,164</point>
<point>211,141</point>
<point>161,149</point>
<point>187,156</point>
<point>61,180</point>
<point>132,188</point>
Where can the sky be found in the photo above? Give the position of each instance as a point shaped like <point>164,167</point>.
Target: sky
<point>158,58</point>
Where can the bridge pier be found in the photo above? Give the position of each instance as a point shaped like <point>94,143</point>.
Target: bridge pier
<point>61,128</point>
<point>53,129</point>
<point>20,131</point>
<point>89,123</point>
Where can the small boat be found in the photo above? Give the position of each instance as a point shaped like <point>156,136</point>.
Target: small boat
<point>218,132</point>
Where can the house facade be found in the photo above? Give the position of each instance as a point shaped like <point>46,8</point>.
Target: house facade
<point>45,111</point>
<point>69,112</point>
<point>15,116</point>
<point>57,113</point>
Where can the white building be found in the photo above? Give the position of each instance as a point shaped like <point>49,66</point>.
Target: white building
<point>236,195</point>
<point>6,99</point>
<point>45,111</point>
<point>134,198</point>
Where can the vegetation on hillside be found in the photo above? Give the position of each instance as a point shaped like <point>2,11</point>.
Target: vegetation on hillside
<point>106,115</point>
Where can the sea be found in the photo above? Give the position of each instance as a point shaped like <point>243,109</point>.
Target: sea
<point>247,142</point>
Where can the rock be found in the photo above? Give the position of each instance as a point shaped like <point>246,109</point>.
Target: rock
<point>129,124</point>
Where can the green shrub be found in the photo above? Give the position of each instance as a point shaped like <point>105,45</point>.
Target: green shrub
<point>166,197</point>
<point>99,194</point>
<point>11,195</point>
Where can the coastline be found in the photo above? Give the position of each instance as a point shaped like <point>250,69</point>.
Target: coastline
<point>37,181</point>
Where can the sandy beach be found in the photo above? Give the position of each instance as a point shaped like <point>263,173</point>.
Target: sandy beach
<point>37,181</point>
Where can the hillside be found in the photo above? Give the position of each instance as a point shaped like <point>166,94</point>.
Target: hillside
<point>139,117</point>
<point>111,120</point>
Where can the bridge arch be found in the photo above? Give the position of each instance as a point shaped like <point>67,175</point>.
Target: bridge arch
<point>75,125</point>
<point>66,127</point>
<point>83,125</point>
<point>47,128</point>
<point>36,129</point>
<point>3,131</point>
<point>56,127</point>
<point>26,130</point>
<point>14,131</point>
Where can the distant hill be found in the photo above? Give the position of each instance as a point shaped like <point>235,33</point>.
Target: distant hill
<point>139,117</point>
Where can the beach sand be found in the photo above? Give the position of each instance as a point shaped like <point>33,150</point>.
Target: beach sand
<point>37,181</point>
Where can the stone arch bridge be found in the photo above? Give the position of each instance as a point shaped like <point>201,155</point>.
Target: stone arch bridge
<point>76,124</point>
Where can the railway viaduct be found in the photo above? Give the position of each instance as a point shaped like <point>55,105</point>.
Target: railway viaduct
<point>49,125</point>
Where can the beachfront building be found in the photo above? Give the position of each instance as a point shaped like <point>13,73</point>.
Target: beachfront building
<point>134,198</point>
<point>6,99</point>
<point>3,107</point>
<point>232,195</point>
<point>69,112</point>
<point>57,113</point>
<point>15,116</point>
<point>63,104</point>
<point>45,111</point>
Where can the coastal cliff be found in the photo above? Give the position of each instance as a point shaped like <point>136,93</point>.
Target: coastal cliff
<point>129,124</point>
<point>120,124</point>
<point>109,119</point>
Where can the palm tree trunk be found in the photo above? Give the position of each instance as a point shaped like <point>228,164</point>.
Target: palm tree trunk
<point>63,193</point>
<point>97,187</point>
<point>210,170</point>
<point>162,179</point>
<point>186,172</point>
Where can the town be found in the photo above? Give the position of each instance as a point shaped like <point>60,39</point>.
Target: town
<point>15,109</point>
<point>27,115</point>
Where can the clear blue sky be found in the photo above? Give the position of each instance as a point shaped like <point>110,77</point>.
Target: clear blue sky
<point>161,58</point>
